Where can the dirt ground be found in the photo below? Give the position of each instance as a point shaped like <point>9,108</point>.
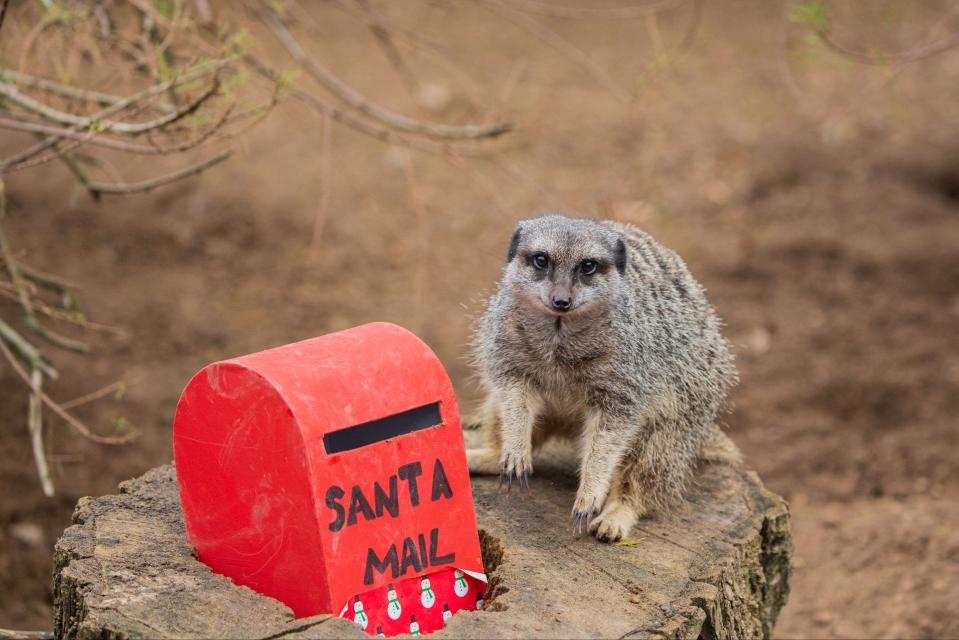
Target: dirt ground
<point>816,199</point>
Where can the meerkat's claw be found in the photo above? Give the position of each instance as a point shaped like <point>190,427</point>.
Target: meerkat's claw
<point>580,520</point>
<point>506,476</point>
<point>516,466</point>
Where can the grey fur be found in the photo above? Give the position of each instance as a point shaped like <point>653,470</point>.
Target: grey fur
<point>636,370</point>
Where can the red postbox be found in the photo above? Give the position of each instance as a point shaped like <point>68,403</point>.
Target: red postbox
<point>326,469</point>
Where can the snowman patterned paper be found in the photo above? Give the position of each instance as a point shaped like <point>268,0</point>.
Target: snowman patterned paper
<point>418,605</point>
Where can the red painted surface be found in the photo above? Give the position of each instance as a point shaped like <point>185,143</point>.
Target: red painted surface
<point>255,476</point>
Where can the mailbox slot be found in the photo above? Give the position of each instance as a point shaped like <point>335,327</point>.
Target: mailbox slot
<point>366,433</point>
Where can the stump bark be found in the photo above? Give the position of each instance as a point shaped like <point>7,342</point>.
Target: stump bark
<point>717,568</point>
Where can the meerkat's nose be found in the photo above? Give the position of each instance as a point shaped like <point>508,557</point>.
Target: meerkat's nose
<point>561,304</point>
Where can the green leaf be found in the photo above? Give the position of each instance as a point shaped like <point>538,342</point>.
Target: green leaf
<point>629,542</point>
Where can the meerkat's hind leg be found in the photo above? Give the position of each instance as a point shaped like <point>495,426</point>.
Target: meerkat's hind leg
<point>483,461</point>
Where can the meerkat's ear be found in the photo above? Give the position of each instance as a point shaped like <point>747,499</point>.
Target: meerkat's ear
<point>513,246</point>
<point>619,256</point>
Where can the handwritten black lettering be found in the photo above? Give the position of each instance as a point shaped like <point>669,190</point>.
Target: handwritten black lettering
<point>441,486</point>
<point>434,550</point>
<point>359,503</point>
<point>390,503</point>
<point>372,562</point>
<point>333,494</point>
<point>410,472</point>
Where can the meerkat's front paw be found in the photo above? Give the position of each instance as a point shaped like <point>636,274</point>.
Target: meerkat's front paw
<point>614,522</point>
<point>518,465</point>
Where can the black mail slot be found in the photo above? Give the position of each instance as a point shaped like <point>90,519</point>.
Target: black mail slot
<point>360,435</point>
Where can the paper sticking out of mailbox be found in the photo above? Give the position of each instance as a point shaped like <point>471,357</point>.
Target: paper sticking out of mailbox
<point>332,472</point>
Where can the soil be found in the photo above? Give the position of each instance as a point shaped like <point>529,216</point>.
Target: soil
<point>816,199</point>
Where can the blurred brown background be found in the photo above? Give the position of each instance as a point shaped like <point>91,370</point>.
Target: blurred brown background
<point>816,198</point>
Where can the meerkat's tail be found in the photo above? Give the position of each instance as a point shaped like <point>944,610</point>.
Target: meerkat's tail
<point>719,449</point>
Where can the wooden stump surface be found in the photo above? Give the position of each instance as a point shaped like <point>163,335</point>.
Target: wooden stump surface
<point>717,568</point>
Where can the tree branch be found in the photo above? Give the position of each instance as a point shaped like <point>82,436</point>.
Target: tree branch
<point>372,129</point>
<point>898,57</point>
<point>596,13</point>
<point>69,91</point>
<point>83,122</point>
<point>346,94</point>
<point>153,183</point>
<point>116,107</point>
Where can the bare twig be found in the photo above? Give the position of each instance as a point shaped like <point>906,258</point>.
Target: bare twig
<point>83,122</point>
<point>326,163</point>
<point>112,388</point>
<point>72,317</point>
<point>349,96</point>
<point>385,41</point>
<point>19,159</point>
<point>35,424</point>
<point>898,57</point>
<point>372,129</point>
<point>69,91</point>
<point>25,350</point>
<point>96,140</point>
<point>56,408</point>
<point>74,168</point>
<point>23,296</point>
<point>639,10</point>
<point>561,44</point>
<point>153,183</point>
<point>44,279</point>
<point>441,54</point>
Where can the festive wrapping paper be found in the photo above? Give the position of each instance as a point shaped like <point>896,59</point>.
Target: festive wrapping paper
<point>418,605</point>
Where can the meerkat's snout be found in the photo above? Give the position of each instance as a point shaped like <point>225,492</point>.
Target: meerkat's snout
<point>561,298</point>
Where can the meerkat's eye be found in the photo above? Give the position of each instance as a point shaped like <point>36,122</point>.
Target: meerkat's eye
<point>540,261</point>
<point>588,267</point>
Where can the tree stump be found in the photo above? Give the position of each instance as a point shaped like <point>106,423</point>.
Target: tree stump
<point>717,568</point>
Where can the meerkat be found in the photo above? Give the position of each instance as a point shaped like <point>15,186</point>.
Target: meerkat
<point>599,334</point>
